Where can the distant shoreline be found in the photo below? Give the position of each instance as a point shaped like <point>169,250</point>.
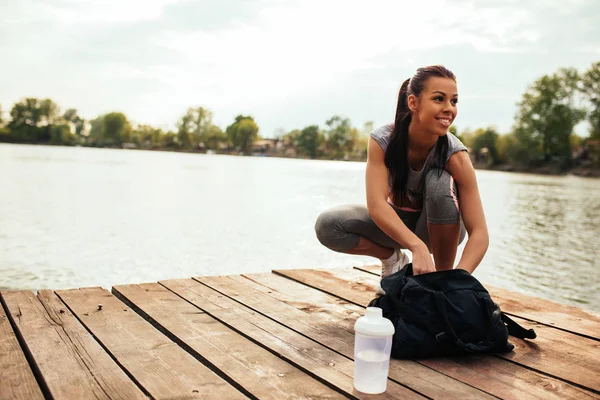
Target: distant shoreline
<point>550,170</point>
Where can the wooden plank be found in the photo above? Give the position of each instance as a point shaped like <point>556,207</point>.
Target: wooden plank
<point>345,284</point>
<point>570,357</point>
<point>71,362</point>
<point>160,366</point>
<point>315,359</point>
<point>310,322</point>
<point>562,354</point>
<point>260,372</point>
<point>17,381</point>
<point>512,380</point>
<point>568,318</point>
<point>493,375</point>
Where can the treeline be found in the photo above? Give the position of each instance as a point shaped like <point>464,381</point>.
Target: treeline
<point>543,132</point>
<point>541,135</point>
<point>40,121</point>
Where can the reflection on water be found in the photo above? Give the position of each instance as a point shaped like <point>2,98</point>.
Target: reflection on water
<point>74,217</point>
<point>549,239</point>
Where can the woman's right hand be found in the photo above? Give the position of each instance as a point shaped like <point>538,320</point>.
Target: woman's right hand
<point>422,261</point>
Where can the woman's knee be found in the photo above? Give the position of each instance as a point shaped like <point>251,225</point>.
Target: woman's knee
<point>441,197</point>
<point>330,231</point>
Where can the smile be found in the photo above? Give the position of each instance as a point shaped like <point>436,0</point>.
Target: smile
<point>444,121</point>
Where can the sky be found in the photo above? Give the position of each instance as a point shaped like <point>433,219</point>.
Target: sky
<point>287,63</point>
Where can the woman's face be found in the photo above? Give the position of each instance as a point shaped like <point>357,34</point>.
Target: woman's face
<point>435,109</point>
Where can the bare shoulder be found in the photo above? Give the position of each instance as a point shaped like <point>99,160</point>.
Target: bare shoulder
<point>461,168</point>
<point>376,175</point>
<point>375,154</point>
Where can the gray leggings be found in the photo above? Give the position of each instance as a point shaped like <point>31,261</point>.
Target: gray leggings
<point>341,227</point>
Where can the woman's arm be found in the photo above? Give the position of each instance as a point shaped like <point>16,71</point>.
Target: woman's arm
<point>462,171</point>
<point>380,211</point>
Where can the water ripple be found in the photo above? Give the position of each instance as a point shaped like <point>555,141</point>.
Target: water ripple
<point>76,217</point>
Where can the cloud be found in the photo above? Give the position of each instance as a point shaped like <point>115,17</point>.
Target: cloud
<point>288,63</point>
<point>105,11</point>
<point>307,49</point>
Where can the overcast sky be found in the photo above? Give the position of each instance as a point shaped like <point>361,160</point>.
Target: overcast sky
<point>289,64</point>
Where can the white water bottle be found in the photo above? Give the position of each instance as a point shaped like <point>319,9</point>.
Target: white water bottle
<point>372,348</point>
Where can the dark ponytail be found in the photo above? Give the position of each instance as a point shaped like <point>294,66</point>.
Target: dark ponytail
<point>396,155</point>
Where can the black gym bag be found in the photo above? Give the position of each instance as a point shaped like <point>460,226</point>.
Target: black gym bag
<point>444,313</point>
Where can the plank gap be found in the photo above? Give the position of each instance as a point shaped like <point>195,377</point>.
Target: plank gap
<point>181,343</point>
<point>111,355</point>
<point>318,288</point>
<point>264,346</point>
<point>586,388</point>
<point>272,319</point>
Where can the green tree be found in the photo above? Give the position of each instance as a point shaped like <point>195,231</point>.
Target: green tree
<point>215,137</point>
<point>202,124</point>
<point>169,140</point>
<point>6,135</point>
<point>339,137</point>
<point>195,127</point>
<point>502,144</point>
<point>308,140</point>
<point>49,112</point>
<point>545,119</point>
<point>184,134</point>
<point>157,140</point>
<point>485,140</point>
<point>61,135</point>
<point>591,89</point>
<point>242,133</point>
<point>146,136</point>
<point>32,119</point>
<point>72,118</point>
<point>112,129</point>
<point>1,117</point>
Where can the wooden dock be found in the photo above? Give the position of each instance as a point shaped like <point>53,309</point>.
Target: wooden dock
<point>286,334</point>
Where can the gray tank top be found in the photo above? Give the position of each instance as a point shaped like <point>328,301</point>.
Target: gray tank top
<point>414,191</point>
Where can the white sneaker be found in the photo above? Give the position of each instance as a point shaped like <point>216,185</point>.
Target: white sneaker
<point>391,266</point>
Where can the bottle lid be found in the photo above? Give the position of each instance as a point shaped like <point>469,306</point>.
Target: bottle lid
<point>373,323</point>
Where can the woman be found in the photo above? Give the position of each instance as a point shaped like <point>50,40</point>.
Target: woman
<point>422,192</point>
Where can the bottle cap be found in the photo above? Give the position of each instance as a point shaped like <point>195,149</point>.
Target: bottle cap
<point>373,323</point>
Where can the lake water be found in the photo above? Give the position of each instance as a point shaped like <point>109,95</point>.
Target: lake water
<point>76,217</point>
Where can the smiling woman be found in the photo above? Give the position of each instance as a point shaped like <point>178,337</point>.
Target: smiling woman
<point>415,172</point>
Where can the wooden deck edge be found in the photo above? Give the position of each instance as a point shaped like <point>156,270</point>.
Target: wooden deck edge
<point>37,374</point>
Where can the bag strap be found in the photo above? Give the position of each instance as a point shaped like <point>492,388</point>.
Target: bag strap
<point>516,330</point>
